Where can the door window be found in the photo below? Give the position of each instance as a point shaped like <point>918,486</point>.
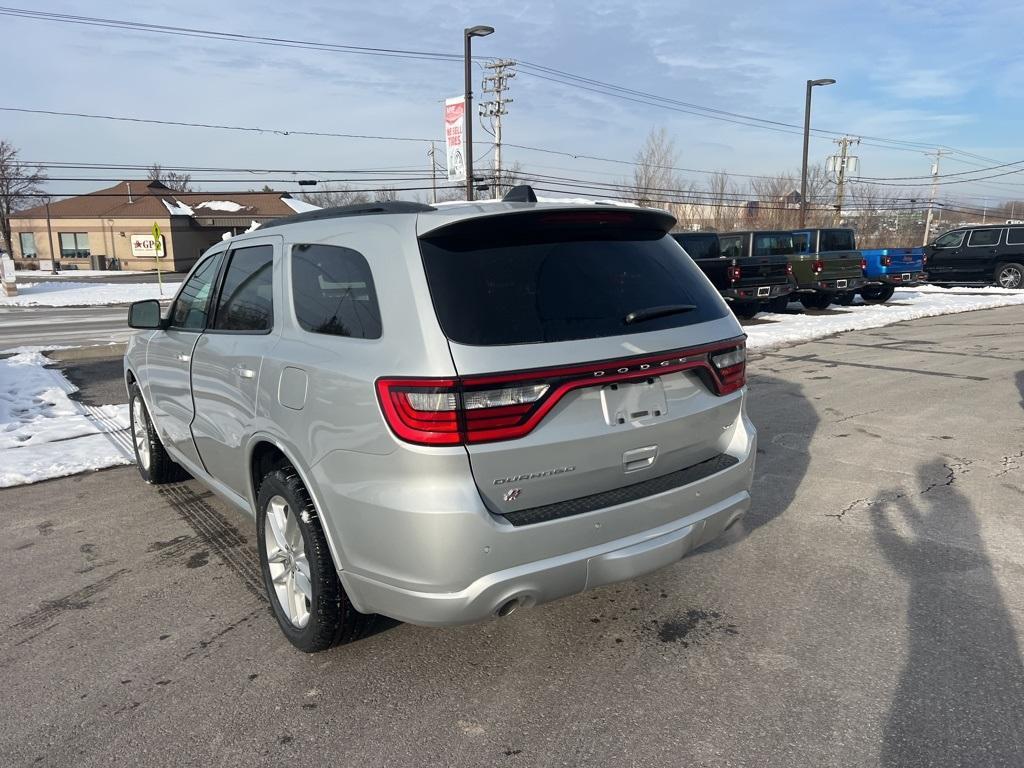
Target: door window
<point>192,305</point>
<point>980,237</point>
<point>950,240</point>
<point>247,297</point>
<point>732,247</point>
<point>333,292</point>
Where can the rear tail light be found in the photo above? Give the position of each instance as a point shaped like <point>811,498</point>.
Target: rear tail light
<point>886,261</point>
<point>924,260</point>
<point>481,409</point>
<point>864,264</point>
<point>735,273</point>
<point>789,268</point>
<point>818,266</point>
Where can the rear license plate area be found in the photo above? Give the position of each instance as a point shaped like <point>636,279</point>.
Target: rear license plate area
<point>905,276</point>
<point>840,283</point>
<point>633,401</point>
<point>765,290</point>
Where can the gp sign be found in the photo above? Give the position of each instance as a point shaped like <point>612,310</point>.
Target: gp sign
<point>145,245</point>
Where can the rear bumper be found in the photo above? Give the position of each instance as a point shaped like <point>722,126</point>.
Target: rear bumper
<point>908,278</point>
<point>757,292</point>
<point>594,548</point>
<point>833,285</point>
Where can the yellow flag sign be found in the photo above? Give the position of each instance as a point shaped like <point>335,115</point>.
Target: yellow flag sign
<point>157,240</point>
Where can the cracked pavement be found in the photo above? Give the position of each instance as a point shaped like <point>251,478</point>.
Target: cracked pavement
<point>868,612</point>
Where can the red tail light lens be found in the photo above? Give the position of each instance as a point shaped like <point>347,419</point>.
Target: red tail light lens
<point>864,264</point>
<point>735,273</point>
<point>924,260</point>
<point>886,261</point>
<point>481,409</point>
<point>789,268</point>
<point>818,266</point>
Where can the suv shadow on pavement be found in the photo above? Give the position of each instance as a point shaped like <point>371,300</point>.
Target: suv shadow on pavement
<point>786,421</point>
<point>1020,386</point>
<point>958,701</point>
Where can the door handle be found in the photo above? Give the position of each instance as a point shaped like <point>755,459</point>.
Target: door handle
<point>245,373</point>
<point>184,358</point>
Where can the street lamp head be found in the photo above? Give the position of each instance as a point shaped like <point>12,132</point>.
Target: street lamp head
<point>479,31</point>
<point>823,81</point>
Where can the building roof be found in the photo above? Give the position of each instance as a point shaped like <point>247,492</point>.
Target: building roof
<point>152,199</point>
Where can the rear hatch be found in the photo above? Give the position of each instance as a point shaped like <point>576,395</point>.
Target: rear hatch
<point>768,263</point>
<point>591,353</point>
<point>840,265</point>
<point>907,260</point>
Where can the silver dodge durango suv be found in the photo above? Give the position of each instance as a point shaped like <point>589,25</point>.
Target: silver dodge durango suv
<point>443,414</point>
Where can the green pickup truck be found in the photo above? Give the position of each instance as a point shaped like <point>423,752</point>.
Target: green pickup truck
<point>827,267</point>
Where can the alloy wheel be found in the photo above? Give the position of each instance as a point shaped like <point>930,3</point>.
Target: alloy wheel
<point>287,561</point>
<point>1010,277</point>
<point>140,432</point>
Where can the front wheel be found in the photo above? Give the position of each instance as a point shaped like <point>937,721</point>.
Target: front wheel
<point>305,592</point>
<point>1010,276</point>
<point>877,294</point>
<point>816,300</point>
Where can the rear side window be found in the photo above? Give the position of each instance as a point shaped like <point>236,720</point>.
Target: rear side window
<point>247,297</point>
<point>333,291</point>
<point>802,242</point>
<point>511,282</point>
<point>699,246</point>
<point>775,244</point>
<point>1015,236</point>
<point>732,246</point>
<point>836,240</point>
<point>983,237</point>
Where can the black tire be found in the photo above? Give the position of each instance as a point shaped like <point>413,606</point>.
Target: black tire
<point>157,467</point>
<point>745,309</point>
<point>1010,275</point>
<point>332,619</point>
<point>844,299</point>
<point>778,305</point>
<point>816,300</point>
<point>877,294</point>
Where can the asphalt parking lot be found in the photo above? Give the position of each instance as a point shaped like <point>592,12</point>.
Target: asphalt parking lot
<point>868,612</point>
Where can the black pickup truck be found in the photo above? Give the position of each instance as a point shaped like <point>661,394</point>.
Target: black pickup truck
<point>744,267</point>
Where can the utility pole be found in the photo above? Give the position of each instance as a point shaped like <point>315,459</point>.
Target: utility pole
<point>931,199</point>
<point>841,165</point>
<point>495,85</point>
<point>433,173</point>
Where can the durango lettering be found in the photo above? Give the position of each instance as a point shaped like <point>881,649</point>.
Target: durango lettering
<point>534,475</point>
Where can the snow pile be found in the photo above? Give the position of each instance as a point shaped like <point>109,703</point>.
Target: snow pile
<point>299,206</point>
<point>45,434</point>
<point>227,206</point>
<point>907,304</point>
<point>176,208</point>
<point>21,274</point>
<point>70,294</point>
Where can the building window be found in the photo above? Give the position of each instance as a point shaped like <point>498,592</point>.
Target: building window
<point>28,245</point>
<point>74,245</point>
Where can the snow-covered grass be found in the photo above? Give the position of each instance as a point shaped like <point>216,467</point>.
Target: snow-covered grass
<point>45,434</point>
<point>71,294</point>
<point>783,330</point>
<point>22,274</point>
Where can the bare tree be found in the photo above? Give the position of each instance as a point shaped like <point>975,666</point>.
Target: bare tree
<point>333,195</point>
<point>722,201</point>
<point>511,176</point>
<point>654,177</point>
<point>179,182</point>
<point>385,194</point>
<point>18,185</point>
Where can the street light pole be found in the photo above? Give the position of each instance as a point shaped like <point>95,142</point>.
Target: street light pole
<point>468,34</point>
<point>807,139</point>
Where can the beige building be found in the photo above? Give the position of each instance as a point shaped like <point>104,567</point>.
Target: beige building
<point>113,228</point>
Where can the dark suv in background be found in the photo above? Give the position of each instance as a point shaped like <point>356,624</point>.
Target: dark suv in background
<point>750,269</point>
<point>978,255</point>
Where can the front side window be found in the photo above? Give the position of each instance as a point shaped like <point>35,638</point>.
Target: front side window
<point>732,247</point>
<point>950,240</point>
<point>980,237</point>
<point>28,245</point>
<point>333,292</point>
<point>836,240</point>
<point>247,297</point>
<point>192,305</point>
<point>774,244</point>
<point>74,245</point>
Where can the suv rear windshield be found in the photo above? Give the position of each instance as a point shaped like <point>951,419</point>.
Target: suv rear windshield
<point>699,246</point>
<point>774,244</point>
<point>544,278</point>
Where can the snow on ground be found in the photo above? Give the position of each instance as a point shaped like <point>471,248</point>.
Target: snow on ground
<point>21,274</point>
<point>45,434</point>
<point>71,294</point>
<point>906,304</point>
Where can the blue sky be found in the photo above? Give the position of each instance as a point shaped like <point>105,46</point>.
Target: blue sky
<point>938,72</point>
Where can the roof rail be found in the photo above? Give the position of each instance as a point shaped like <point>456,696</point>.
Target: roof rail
<point>521,194</point>
<point>359,209</point>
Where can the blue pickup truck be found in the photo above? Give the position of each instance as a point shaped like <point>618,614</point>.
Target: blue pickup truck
<point>887,268</point>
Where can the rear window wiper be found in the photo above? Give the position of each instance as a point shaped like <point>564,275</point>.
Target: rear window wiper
<point>651,313</point>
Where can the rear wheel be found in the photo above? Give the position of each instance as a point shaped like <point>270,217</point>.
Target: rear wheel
<point>816,300</point>
<point>1010,276</point>
<point>877,294</point>
<point>778,305</point>
<point>746,309</point>
<point>302,583</point>
<point>155,465</point>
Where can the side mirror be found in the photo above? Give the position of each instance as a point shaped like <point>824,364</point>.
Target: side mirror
<point>145,315</point>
